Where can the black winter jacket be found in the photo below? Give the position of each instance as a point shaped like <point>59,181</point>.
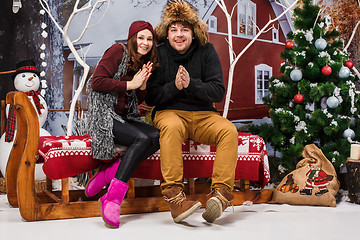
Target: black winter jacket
<point>206,79</point>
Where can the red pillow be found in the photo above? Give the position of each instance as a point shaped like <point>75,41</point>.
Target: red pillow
<point>66,156</point>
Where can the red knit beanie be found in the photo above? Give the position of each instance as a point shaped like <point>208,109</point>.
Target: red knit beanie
<point>138,26</point>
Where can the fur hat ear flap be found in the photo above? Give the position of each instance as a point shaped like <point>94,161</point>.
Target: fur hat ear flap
<point>181,11</point>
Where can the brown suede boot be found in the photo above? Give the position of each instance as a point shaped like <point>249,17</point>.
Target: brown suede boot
<point>180,207</point>
<point>215,206</point>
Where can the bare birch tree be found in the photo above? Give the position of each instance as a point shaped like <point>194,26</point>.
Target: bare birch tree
<point>90,6</point>
<point>233,58</point>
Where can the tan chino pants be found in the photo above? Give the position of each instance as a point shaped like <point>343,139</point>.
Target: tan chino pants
<point>205,127</point>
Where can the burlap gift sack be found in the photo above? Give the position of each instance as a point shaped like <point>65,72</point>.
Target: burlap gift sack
<point>313,182</point>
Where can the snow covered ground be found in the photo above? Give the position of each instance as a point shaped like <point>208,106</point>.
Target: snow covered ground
<point>257,221</point>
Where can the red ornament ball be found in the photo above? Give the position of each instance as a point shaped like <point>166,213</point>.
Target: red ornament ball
<point>298,98</point>
<point>289,44</point>
<point>326,70</point>
<point>349,64</point>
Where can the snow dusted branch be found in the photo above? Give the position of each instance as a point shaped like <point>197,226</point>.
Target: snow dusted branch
<point>89,5</point>
<point>233,58</point>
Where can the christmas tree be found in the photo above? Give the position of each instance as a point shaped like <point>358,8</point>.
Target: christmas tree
<point>315,99</point>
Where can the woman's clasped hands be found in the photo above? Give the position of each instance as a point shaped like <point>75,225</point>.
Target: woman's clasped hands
<point>140,78</point>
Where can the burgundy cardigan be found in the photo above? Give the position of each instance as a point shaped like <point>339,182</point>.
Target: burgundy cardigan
<point>103,81</point>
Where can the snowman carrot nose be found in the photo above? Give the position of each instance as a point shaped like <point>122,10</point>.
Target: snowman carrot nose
<point>30,78</point>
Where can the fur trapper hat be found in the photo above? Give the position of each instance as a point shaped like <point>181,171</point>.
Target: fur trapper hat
<point>181,11</point>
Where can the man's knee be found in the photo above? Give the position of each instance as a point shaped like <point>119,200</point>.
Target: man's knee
<point>229,130</point>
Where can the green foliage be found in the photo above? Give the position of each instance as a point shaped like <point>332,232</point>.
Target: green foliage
<point>295,125</point>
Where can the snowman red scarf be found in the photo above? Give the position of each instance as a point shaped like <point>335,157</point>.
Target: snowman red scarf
<point>11,121</point>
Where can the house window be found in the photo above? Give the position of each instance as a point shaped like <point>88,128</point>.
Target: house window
<point>263,73</point>
<point>247,17</point>
<point>213,24</point>
<point>275,35</point>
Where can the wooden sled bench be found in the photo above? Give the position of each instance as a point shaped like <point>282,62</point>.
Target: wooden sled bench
<point>49,204</point>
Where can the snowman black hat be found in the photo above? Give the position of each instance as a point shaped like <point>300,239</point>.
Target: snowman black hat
<point>25,66</point>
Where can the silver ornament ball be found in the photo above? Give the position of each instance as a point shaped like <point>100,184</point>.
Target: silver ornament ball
<point>344,72</point>
<point>296,75</point>
<point>332,102</point>
<point>349,133</point>
<point>320,44</point>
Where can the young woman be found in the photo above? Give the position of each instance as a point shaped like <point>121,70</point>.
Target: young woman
<point>117,87</point>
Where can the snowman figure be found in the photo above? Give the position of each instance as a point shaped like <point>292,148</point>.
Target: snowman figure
<point>26,79</point>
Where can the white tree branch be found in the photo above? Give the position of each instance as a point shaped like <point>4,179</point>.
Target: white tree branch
<point>233,9</point>
<point>47,10</point>
<point>80,60</point>
<point>222,6</point>
<point>356,71</point>
<point>282,5</point>
<point>232,50</point>
<point>317,17</point>
<point>75,11</point>
<point>352,35</point>
<point>272,27</point>
<point>89,17</point>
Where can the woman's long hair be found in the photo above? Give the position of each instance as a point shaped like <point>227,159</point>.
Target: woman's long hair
<point>136,60</point>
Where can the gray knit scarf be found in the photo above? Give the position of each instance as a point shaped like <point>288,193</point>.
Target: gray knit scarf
<point>101,114</point>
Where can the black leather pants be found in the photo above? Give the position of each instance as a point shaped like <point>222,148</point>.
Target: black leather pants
<point>142,141</point>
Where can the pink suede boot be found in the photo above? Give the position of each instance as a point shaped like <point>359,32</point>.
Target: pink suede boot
<point>111,202</point>
<point>101,178</point>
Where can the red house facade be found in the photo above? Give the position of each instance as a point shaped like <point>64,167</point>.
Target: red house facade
<point>261,61</point>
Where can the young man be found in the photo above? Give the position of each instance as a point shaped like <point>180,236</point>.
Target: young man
<point>183,90</point>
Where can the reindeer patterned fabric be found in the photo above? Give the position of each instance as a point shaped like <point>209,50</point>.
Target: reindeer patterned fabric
<point>66,156</point>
